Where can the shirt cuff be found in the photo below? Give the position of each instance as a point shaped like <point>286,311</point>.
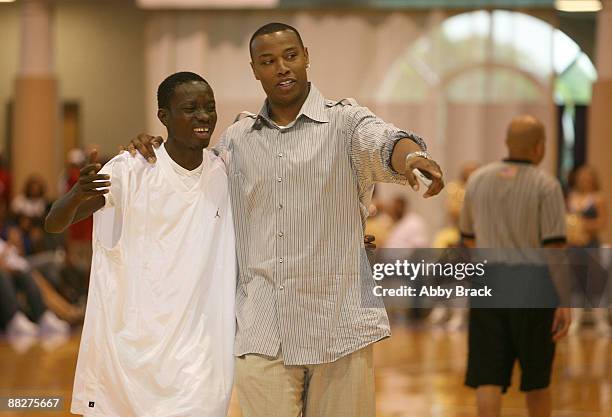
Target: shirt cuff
<point>390,146</point>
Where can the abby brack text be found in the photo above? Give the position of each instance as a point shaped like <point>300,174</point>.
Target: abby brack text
<point>432,291</point>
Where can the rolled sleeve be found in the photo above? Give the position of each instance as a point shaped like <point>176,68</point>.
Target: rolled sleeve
<point>371,146</point>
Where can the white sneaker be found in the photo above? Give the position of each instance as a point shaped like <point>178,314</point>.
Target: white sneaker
<point>21,344</point>
<point>20,325</point>
<point>603,328</point>
<point>456,323</point>
<point>576,324</point>
<point>51,342</point>
<point>50,324</point>
<point>437,315</point>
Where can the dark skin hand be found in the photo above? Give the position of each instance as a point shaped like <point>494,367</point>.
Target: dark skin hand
<point>368,240</point>
<point>144,145</point>
<point>428,167</point>
<point>563,317</point>
<point>83,199</point>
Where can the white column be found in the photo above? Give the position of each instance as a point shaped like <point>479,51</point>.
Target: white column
<point>36,53</point>
<point>35,118</point>
<point>600,122</point>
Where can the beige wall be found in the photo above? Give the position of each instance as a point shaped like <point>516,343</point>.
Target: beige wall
<point>100,64</point>
<point>9,43</point>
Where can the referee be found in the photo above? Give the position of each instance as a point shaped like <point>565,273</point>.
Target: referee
<point>511,204</point>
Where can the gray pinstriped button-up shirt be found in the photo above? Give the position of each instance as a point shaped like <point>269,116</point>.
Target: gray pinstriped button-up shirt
<point>299,197</point>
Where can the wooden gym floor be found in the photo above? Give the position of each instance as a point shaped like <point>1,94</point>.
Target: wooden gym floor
<point>419,374</point>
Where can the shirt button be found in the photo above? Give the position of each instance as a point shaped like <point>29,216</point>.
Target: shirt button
<point>281,287</point>
<point>279,179</point>
<point>280,154</point>
<point>280,206</point>
<point>280,261</point>
<point>281,234</point>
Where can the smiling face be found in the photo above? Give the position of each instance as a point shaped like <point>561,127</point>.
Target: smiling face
<point>191,115</point>
<point>279,62</point>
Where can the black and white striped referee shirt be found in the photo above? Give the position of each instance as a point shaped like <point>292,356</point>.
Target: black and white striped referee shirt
<point>512,204</point>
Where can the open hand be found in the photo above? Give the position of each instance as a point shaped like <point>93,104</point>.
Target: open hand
<point>368,241</point>
<point>90,183</point>
<point>561,323</point>
<point>144,145</point>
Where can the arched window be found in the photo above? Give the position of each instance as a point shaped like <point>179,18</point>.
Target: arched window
<point>492,57</point>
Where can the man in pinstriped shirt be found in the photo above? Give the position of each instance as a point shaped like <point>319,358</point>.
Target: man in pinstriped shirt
<point>301,175</point>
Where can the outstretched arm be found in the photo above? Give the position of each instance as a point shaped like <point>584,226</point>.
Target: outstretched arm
<point>401,162</point>
<point>83,199</point>
<point>381,152</point>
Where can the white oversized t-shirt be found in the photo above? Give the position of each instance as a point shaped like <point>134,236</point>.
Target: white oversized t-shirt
<point>159,328</point>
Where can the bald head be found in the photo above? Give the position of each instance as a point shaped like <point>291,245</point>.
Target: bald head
<point>525,139</point>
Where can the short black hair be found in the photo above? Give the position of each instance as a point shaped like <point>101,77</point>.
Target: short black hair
<point>271,28</point>
<point>167,87</point>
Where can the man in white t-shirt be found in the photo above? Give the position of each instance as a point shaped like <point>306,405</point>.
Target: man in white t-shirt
<point>159,327</point>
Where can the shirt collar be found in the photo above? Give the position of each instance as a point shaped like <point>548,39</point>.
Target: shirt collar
<point>518,161</point>
<point>313,108</point>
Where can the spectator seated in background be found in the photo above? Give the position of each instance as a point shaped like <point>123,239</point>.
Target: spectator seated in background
<point>33,202</point>
<point>449,237</point>
<point>16,276</point>
<point>586,219</point>
<point>409,230</point>
<point>5,181</point>
<point>28,241</point>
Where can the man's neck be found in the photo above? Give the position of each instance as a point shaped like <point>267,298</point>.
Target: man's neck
<point>283,114</point>
<point>189,159</point>
<point>518,157</point>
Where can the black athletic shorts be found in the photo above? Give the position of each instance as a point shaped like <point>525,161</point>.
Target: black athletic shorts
<point>499,336</point>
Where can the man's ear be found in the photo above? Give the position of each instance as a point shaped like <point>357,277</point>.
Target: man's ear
<point>253,69</point>
<point>162,115</point>
<point>306,55</point>
<point>542,148</point>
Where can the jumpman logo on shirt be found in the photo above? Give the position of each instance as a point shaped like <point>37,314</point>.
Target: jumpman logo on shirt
<point>217,215</point>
